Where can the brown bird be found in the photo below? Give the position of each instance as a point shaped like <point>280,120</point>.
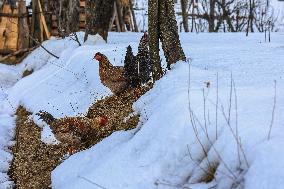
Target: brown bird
<point>73,131</point>
<point>111,76</point>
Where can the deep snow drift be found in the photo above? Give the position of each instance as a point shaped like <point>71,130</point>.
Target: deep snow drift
<point>178,116</point>
<point>178,124</point>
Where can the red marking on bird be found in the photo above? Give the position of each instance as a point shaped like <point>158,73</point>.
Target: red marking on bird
<point>103,120</point>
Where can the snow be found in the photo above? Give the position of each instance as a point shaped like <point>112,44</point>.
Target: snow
<point>157,153</point>
<point>64,87</point>
<point>278,8</point>
<point>164,151</point>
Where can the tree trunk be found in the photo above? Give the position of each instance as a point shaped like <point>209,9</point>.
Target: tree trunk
<point>36,28</point>
<point>163,26</point>
<point>23,41</point>
<point>250,18</point>
<point>73,15</point>
<point>67,13</point>
<point>120,15</point>
<point>98,16</point>
<point>184,4</point>
<point>154,32</point>
<point>90,18</point>
<point>169,33</point>
<point>211,20</point>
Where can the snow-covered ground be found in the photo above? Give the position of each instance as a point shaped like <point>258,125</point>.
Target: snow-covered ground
<point>178,116</point>
<point>64,86</point>
<point>168,150</point>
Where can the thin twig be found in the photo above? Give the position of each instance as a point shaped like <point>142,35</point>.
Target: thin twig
<point>88,180</point>
<point>273,112</point>
<point>213,147</point>
<point>217,101</point>
<point>192,120</point>
<point>230,100</point>
<point>76,38</point>
<point>237,129</point>
<point>37,42</point>
<point>193,123</point>
<point>234,135</point>
<point>204,113</point>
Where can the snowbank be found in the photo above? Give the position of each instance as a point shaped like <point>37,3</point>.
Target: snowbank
<point>175,144</point>
<point>64,87</point>
<point>163,152</point>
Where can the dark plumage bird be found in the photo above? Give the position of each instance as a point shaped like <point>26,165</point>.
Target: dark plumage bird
<point>131,68</point>
<point>143,60</point>
<point>138,68</point>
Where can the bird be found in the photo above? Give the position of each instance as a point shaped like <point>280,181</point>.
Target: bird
<point>73,131</point>
<point>131,68</point>
<point>138,68</point>
<point>111,76</point>
<point>135,72</point>
<point>143,60</point>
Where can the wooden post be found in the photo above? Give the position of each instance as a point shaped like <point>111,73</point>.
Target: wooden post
<point>36,28</point>
<point>133,16</point>
<point>116,18</point>
<point>43,22</point>
<point>23,28</point>
<point>120,15</point>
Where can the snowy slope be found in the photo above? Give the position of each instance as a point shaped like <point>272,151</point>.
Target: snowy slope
<point>158,154</point>
<point>64,86</point>
<point>9,76</point>
<point>167,150</point>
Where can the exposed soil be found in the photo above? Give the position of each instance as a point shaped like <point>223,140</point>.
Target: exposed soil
<point>34,160</point>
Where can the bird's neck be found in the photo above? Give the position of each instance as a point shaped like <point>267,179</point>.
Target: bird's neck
<point>105,64</point>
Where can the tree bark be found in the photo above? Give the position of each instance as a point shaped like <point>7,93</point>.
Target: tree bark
<point>120,15</point>
<point>73,14</point>
<point>36,28</point>
<point>154,32</point>
<point>23,41</point>
<point>163,26</point>
<point>98,16</point>
<point>90,18</point>
<point>211,20</point>
<point>169,33</point>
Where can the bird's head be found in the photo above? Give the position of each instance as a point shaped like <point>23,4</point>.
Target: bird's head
<point>101,121</point>
<point>98,56</point>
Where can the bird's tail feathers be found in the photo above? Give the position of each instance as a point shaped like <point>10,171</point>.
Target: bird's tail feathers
<point>45,116</point>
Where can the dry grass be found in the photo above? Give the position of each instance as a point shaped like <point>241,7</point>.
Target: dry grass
<point>34,160</point>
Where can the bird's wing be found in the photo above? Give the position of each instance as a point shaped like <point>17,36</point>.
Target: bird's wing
<point>116,74</point>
